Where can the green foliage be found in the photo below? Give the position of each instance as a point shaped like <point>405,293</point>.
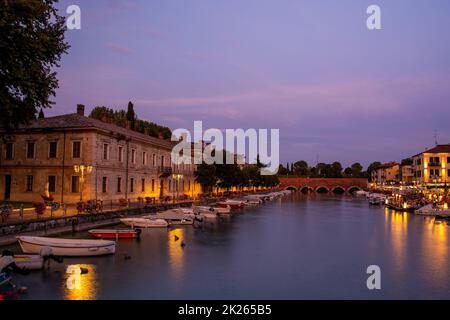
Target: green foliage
<point>31,46</point>
<point>227,176</point>
<point>120,118</point>
<point>356,169</point>
<point>301,168</point>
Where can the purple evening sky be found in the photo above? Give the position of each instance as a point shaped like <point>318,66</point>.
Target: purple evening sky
<point>336,90</point>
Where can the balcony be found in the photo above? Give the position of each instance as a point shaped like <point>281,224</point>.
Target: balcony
<point>434,164</point>
<point>164,172</point>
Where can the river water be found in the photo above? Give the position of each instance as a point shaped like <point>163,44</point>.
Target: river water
<point>298,247</point>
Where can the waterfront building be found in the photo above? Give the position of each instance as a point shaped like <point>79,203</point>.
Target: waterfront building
<point>432,166</point>
<point>388,173</point>
<point>73,156</point>
<point>406,172</point>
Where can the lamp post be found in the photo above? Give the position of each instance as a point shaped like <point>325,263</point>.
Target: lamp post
<point>83,171</point>
<point>177,177</point>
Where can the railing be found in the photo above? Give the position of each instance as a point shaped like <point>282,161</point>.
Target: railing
<point>434,164</point>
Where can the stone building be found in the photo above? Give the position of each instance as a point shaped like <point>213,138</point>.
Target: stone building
<point>125,164</point>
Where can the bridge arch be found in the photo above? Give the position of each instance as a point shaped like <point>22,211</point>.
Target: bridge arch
<point>338,190</point>
<point>306,189</point>
<point>322,189</point>
<point>353,189</point>
<point>294,188</point>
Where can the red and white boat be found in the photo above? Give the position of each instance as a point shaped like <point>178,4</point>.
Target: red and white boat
<point>115,233</point>
<point>233,204</point>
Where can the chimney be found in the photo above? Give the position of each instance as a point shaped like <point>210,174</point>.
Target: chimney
<point>160,135</point>
<point>80,109</point>
<point>146,132</point>
<point>128,124</point>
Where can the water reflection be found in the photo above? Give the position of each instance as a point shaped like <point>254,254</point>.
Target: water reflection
<point>435,249</point>
<point>80,286</point>
<point>176,252</point>
<point>397,224</point>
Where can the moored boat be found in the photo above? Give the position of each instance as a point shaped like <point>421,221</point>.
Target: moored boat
<point>29,261</point>
<point>144,222</point>
<point>67,247</point>
<point>115,233</point>
<point>431,210</point>
<point>233,204</point>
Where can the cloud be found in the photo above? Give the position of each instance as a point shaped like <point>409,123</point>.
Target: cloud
<point>119,49</point>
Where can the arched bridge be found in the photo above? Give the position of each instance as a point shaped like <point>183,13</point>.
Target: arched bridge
<point>324,185</point>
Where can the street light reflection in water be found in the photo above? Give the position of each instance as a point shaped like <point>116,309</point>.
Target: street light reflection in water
<point>78,286</point>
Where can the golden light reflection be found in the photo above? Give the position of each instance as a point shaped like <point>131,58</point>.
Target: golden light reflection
<point>397,224</point>
<point>435,249</point>
<point>80,286</point>
<point>176,252</point>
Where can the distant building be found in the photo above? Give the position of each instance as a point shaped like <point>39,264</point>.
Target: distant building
<point>432,165</point>
<point>406,174</point>
<point>386,173</point>
<point>125,164</point>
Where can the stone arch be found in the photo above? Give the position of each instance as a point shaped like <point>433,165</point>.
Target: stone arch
<point>306,189</point>
<point>322,189</point>
<point>353,189</point>
<point>338,190</point>
<point>293,188</point>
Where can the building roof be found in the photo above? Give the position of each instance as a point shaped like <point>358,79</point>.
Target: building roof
<point>439,148</point>
<point>387,165</point>
<point>78,122</point>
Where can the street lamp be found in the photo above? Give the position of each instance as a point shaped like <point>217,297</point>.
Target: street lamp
<point>177,177</point>
<point>82,170</point>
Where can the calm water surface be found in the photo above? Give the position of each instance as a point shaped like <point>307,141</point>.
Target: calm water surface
<point>298,247</point>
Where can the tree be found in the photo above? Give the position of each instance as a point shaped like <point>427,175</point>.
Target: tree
<point>301,168</point>
<point>356,169</point>
<point>336,170</point>
<point>282,171</point>
<point>131,115</point>
<point>205,175</point>
<point>32,43</point>
<point>348,171</point>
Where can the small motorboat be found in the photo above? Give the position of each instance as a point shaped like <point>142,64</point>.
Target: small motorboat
<point>145,222</point>
<point>66,247</point>
<point>115,233</point>
<point>223,210</point>
<point>432,210</point>
<point>180,221</point>
<point>233,204</point>
<point>29,261</point>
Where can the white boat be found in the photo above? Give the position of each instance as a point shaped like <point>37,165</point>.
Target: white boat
<point>29,261</point>
<point>431,210</point>
<point>205,212</point>
<point>221,210</point>
<point>67,247</point>
<point>144,222</point>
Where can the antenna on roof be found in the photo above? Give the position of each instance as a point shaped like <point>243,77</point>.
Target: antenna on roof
<point>435,137</point>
